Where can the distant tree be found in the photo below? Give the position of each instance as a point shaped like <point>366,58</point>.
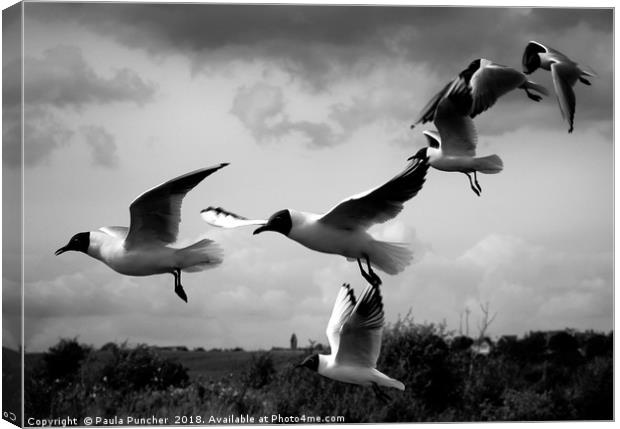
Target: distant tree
<point>598,345</point>
<point>113,347</point>
<point>63,360</point>
<point>461,343</point>
<point>564,348</point>
<point>533,347</point>
<point>486,321</point>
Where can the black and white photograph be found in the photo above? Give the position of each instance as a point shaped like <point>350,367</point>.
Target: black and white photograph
<point>306,213</point>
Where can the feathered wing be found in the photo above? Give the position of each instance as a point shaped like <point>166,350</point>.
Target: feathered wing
<point>428,112</point>
<point>360,336</point>
<point>490,82</point>
<point>217,216</point>
<point>564,91</point>
<point>156,214</point>
<point>345,301</point>
<point>458,136</point>
<point>379,204</point>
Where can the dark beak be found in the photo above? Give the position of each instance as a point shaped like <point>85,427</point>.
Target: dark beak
<point>261,229</point>
<point>60,251</point>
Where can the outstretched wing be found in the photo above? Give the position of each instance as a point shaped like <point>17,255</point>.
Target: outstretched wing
<point>345,301</point>
<point>379,204</point>
<point>217,216</point>
<point>428,112</point>
<point>560,73</point>
<point>457,131</point>
<point>360,336</point>
<point>156,214</point>
<point>490,82</point>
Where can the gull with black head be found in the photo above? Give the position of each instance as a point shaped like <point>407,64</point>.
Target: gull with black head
<point>343,229</point>
<point>354,332</point>
<point>143,248</point>
<point>564,72</point>
<point>478,87</point>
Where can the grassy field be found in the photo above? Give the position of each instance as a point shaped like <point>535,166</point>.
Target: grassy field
<point>215,365</point>
<point>212,365</point>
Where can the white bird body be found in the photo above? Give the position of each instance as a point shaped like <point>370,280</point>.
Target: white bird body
<point>355,374</point>
<point>309,231</point>
<point>145,248</point>
<point>453,146</point>
<point>354,332</point>
<point>564,72</point>
<point>150,258</point>
<point>450,162</point>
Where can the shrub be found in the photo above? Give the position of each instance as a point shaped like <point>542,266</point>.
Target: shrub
<point>260,371</point>
<point>63,360</point>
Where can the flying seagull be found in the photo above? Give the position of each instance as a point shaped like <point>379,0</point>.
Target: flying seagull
<point>343,229</point>
<point>142,249</point>
<point>564,72</point>
<point>354,333</point>
<point>478,87</point>
<point>454,147</point>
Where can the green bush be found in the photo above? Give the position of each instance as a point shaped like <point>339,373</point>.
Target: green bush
<point>543,376</point>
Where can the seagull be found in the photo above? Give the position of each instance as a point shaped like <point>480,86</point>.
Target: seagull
<point>453,148</point>
<point>343,229</point>
<point>354,333</point>
<point>564,72</point>
<point>142,249</point>
<point>478,87</point>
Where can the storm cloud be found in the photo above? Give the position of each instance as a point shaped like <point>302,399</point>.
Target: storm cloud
<point>59,79</point>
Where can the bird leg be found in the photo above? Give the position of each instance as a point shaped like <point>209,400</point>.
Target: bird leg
<point>178,289</point>
<point>534,97</point>
<point>380,394</point>
<point>476,182</point>
<point>584,81</point>
<point>370,276</point>
<point>476,191</point>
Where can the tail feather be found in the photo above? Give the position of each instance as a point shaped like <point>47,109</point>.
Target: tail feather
<point>588,72</point>
<point>491,164</point>
<point>200,256</point>
<point>391,258</point>
<point>383,380</point>
<point>395,384</point>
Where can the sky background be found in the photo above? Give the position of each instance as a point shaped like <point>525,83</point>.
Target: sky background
<point>309,105</point>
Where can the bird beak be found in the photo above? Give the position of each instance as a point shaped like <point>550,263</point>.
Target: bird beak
<point>261,229</point>
<point>60,251</point>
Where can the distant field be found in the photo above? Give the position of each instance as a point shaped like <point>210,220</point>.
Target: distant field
<point>216,365</point>
<point>213,365</point>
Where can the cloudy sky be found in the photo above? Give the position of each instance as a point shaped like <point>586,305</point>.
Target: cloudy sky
<point>309,105</point>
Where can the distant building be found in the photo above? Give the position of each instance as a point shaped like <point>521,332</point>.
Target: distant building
<point>293,342</point>
<point>482,346</point>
